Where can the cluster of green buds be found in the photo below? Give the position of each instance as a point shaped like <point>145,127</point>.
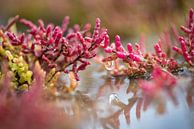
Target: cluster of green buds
<point>22,76</point>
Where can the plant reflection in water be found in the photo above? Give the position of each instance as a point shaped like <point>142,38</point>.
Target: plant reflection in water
<point>106,109</point>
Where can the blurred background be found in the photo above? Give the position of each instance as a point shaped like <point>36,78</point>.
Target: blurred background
<point>128,18</point>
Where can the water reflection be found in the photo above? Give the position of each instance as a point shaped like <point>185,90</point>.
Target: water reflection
<point>103,102</point>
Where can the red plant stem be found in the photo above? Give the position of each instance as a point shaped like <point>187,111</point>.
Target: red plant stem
<point>76,59</point>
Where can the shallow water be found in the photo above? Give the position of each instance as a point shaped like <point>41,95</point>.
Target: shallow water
<point>103,102</point>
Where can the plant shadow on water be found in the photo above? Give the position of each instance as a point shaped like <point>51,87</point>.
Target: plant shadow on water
<point>114,103</point>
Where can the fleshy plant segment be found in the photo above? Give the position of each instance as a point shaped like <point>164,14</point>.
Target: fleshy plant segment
<point>187,42</point>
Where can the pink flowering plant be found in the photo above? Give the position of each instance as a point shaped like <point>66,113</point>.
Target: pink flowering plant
<point>58,49</point>
<point>136,62</point>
